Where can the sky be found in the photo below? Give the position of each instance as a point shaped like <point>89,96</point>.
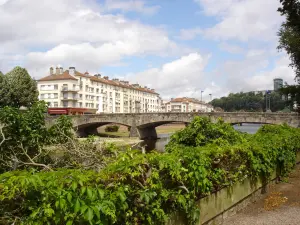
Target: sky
<point>177,47</point>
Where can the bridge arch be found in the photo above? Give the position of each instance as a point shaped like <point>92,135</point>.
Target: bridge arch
<point>87,129</point>
<point>148,130</point>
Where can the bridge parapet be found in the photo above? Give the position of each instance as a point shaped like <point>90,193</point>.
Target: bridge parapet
<point>145,123</point>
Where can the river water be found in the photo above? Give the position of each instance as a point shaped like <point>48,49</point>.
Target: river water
<point>160,143</point>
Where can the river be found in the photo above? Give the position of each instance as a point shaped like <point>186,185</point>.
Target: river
<point>160,143</point>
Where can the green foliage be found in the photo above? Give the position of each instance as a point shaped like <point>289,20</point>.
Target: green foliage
<point>249,102</point>
<point>202,131</point>
<point>24,134</point>
<point>289,33</point>
<point>112,128</point>
<point>147,188</point>
<point>18,89</point>
<point>62,130</point>
<point>289,39</point>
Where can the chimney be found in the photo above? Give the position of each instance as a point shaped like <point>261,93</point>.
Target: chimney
<point>51,70</point>
<point>61,70</point>
<point>97,75</point>
<point>57,70</point>
<point>105,77</point>
<point>72,70</point>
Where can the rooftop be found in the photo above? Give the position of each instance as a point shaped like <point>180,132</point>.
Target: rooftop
<point>64,76</point>
<point>188,100</point>
<point>97,78</point>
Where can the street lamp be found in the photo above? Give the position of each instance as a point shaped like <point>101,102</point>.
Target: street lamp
<point>201,99</point>
<point>268,106</point>
<point>210,96</point>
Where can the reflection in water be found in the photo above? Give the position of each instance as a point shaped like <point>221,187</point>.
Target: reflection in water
<point>248,128</point>
<point>160,143</point>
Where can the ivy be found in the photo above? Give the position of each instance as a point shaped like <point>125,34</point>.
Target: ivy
<point>139,188</point>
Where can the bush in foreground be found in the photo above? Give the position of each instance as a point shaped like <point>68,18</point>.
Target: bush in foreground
<point>147,188</point>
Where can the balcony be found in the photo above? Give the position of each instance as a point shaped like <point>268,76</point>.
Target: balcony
<point>73,89</point>
<point>71,98</point>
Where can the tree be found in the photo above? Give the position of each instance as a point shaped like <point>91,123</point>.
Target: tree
<point>289,39</point>
<point>4,90</point>
<point>18,89</point>
<point>249,102</point>
<point>289,33</point>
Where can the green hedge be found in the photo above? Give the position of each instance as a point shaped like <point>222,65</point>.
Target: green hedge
<point>147,188</point>
<point>112,128</point>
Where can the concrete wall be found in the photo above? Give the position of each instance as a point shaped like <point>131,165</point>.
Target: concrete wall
<point>218,206</point>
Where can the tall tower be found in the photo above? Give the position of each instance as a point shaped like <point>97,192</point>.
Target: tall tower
<point>278,83</point>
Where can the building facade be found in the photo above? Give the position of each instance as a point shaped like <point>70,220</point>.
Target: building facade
<point>187,105</point>
<point>278,83</point>
<point>96,94</point>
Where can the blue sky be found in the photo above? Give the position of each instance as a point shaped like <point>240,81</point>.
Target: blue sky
<point>178,47</point>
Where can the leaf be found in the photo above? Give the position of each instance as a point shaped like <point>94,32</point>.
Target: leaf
<point>82,190</point>
<point>70,222</point>
<point>74,186</point>
<point>89,214</point>
<point>69,197</point>
<point>83,208</point>
<point>101,193</point>
<point>96,211</point>
<point>90,193</point>
<point>77,206</point>
<point>62,203</point>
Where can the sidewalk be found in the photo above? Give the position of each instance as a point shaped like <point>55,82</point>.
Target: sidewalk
<point>281,206</point>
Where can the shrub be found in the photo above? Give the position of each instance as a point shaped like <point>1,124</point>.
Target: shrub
<point>147,188</point>
<point>112,128</point>
<point>24,135</point>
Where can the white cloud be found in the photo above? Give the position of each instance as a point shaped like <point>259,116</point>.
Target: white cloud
<point>264,80</point>
<point>189,34</point>
<point>234,49</point>
<point>181,77</point>
<point>243,19</point>
<point>254,73</point>
<point>74,31</point>
<point>131,5</point>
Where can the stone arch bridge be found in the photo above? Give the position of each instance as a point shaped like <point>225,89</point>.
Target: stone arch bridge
<point>143,125</point>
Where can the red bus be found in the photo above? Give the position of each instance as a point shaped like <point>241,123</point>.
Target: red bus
<point>68,111</point>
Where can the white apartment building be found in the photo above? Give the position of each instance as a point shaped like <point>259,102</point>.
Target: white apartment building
<point>187,105</point>
<point>97,94</point>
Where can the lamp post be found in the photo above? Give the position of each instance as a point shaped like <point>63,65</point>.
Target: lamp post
<point>201,99</point>
<point>210,97</point>
<point>268,106</point>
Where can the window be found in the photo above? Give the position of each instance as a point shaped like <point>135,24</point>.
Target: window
<point>42,96</point>
<point>55,87</point>
<point>55,104</point>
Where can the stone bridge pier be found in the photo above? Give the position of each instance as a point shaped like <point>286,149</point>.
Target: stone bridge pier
<point>143,125</point>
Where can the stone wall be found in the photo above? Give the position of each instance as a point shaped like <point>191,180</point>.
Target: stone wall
<point>218,206</point>
<point>143,124</point>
